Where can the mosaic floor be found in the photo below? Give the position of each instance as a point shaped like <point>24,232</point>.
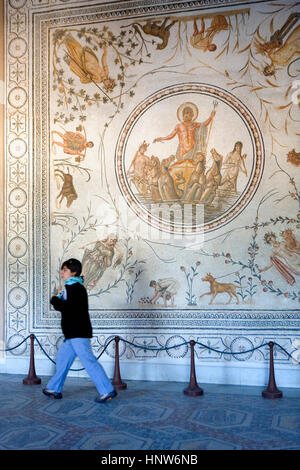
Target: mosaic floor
<point>148,415</point>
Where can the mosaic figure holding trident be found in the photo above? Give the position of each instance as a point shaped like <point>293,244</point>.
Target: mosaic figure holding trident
<point>192,135</point>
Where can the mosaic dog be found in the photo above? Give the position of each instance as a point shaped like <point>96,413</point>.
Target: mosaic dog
<point>219,288</point>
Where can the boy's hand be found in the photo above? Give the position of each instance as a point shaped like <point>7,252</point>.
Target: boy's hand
<point>57,290</point>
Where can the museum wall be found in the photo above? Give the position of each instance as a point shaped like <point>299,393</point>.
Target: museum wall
<point>157,142</point>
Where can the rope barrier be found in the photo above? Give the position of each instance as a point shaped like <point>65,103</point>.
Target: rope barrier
<point>232,353</point>
<point>166,348</point>
<point>271,391</point>
<point>279,345</point>
<point>192,390</point>
<point>15,347</point>
<point>207,347</point>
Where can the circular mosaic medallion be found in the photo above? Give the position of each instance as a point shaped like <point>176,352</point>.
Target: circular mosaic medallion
<point>17,197</point>
<point>17,247</point>
<point>17,297</point>
<point>17,97</point>
<point>59,342</point>
<point>17,47</point>
<point>239,345</point>
<point>176,351</point>
<point>13,341</point>
<point>17,148</point>
<point>17,3</point>
<point>189,158</point>
<point>111,348</point>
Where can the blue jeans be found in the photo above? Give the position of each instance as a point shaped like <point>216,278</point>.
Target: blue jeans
<point>66,355</point>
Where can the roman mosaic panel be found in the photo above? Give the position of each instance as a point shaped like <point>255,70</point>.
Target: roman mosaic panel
<point>158,143</point>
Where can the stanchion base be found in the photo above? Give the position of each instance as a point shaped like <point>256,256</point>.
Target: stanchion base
<point>193,392</point>
<point>272,394</point>
<point>32,381</point>
<point>120,386</point>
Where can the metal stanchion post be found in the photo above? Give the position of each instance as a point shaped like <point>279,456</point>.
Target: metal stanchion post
<point>193,390</point>
<point>271,391</point>
<point>31,378</point>
<point>117,381</point>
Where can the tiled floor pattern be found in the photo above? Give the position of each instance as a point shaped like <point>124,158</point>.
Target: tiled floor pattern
<point>146,416</point>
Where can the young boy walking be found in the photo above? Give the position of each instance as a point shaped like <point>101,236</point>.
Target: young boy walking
<point>76,326</point>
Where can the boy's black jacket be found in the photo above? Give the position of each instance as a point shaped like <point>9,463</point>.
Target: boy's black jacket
<point>75,319</point>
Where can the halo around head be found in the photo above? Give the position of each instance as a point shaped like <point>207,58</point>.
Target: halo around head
<point>187,105</point>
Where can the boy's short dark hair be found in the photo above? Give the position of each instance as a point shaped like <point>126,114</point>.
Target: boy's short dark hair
<point>74,265</point>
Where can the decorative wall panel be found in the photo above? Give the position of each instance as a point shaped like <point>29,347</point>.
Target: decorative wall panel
<point>157,142</point>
